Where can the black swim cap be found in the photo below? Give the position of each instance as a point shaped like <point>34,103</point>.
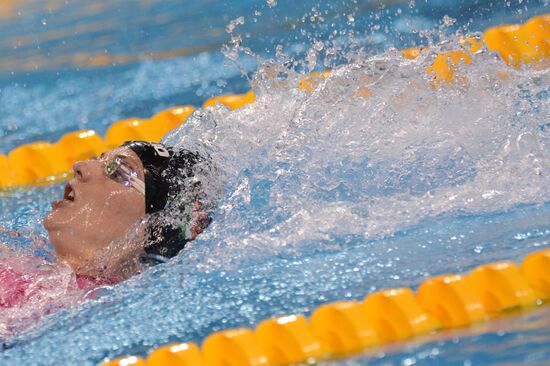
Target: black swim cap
<point>155,158</point>
<point>170,185</point>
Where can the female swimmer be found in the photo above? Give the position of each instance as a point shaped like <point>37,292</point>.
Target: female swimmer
<point>113,219</point>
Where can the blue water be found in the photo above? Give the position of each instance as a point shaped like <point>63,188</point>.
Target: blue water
<point>326,196</point>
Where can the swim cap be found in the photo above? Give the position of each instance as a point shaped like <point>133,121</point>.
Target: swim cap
<point>170,185</point>
<point>155,158</point>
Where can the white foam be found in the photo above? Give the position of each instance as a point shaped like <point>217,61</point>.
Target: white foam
<point>300,167</point>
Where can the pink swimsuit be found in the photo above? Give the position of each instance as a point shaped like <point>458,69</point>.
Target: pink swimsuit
<point>30,288</point>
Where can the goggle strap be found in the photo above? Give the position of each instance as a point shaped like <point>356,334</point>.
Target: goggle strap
<point>138,184</point>
<point>134,181</point>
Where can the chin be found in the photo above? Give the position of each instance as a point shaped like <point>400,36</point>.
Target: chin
<point>55,232</point>
<point>48,222</point>
<point>53,220</point>
<point>55,238</point>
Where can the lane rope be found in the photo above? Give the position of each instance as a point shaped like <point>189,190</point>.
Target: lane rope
<point>42,162</point>
<point>345,328</point>
<point>340,328</point>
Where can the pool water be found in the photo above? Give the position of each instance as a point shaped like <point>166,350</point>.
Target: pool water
<point>375,179</point>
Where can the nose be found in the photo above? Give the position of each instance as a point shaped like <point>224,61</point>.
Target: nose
<point>86,169</point>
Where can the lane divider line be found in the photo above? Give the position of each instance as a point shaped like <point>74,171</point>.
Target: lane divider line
<point>345,328</point>
<point>42,162</point>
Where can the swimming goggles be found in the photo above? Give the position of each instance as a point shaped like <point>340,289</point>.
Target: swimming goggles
<point>120,172</point>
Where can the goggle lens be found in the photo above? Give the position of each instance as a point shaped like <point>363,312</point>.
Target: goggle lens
<point>111,167</point>
<point>122,173</point>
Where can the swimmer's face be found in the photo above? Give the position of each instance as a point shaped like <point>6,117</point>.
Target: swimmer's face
<point>95,211</point>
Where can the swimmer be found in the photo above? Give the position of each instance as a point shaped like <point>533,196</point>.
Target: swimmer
<point>110,194</point>
<point>113,219</point>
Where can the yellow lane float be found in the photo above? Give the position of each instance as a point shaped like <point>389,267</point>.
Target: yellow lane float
<point>171,118</point>
<point>288,340</point>
<point>126,130</point>
<point>152,129</point>
<point>126,361</point>
<point>232,101</point>
<point>395,315</point>
<point>535,270</point>
<point>522,43</point>
<point>501,286</point>
<point>233,347</point>
<point>41,162</point>
<point>445,65</point>
<point>177,354</point>
<point>5,170</point>
<point>526,43</point>
<point>35,161</point>
<point>310,82</point>
<point>342,328</point>
<point>452,300</point>
<point>412,53</point>
<point>354,331</point>
<point>471,44</point>
<point>81,145</point>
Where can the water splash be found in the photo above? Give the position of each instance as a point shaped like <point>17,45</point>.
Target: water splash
<point>31,289</point>
<point>324,195</point>
<point>375,148</point>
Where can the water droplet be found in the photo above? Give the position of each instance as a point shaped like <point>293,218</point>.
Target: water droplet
<point>448,21</point>
<point>233,24</point>
<point>311,58</point>
<point>279,51</point>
